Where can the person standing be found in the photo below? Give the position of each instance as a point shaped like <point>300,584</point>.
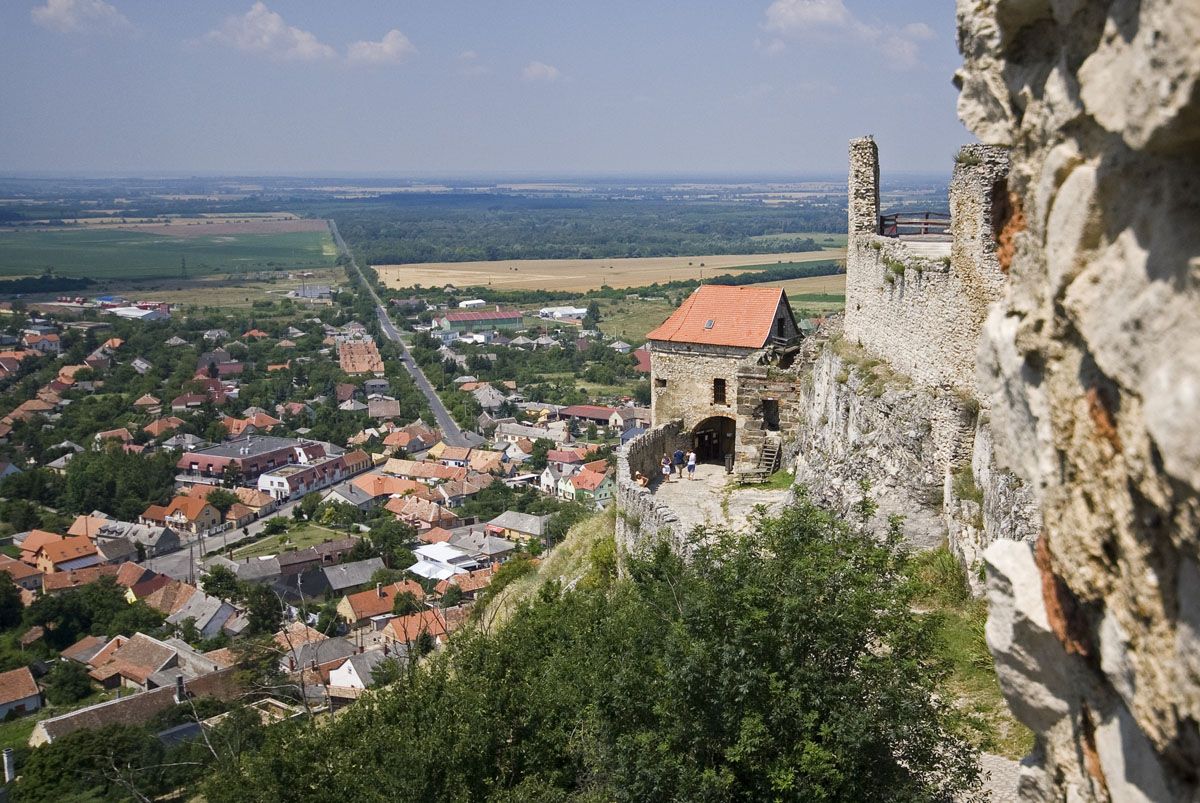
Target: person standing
<point>678,462</point>
<point>691,464</point>
<point>666,468</point>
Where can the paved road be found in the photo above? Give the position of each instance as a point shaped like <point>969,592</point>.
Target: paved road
<point>191,561</point>
<point>451,433</point>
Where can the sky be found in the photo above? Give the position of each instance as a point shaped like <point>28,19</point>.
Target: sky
<point>475,87</point>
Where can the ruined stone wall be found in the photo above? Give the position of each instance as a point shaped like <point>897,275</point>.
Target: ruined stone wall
<point>689,371</point>
<point>920,311</point>
<point>641,519</point>
<point>1091,366</point>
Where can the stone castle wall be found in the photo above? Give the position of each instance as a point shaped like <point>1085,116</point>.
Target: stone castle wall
<point>923,313</point>
<point>688,372</point>
<point>1090,367</point>
<point>642,520</point>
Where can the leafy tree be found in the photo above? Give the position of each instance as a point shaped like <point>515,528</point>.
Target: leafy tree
<point>220,581</point>
<point>784,665</point>
<point>222,500</point>
<point>97,608</point>
<point>275,525</point>
<point>67,682</point>
<point>11,608</point>
<point>386,672</point>
<point>452,597</point>
<point>264,609</point>
<point>406,603</point>
<point>537,457</point>
<point>115,763</point>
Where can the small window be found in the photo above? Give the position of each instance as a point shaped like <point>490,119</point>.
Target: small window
<point>709,323</point>
<point>660,383</point>
<point>718,391</point>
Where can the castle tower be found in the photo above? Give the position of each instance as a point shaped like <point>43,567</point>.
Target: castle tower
<point>864,187</point>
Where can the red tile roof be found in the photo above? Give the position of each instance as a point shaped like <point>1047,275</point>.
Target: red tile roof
<point>17,684</point>
<point>740,316</point>
<point>483,315</point>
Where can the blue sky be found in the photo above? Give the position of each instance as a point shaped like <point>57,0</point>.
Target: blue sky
<point>532,87</point>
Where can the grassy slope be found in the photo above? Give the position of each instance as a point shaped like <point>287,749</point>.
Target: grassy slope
<point>943,593</point>
<point>128,254</point>
<point>567,563</point>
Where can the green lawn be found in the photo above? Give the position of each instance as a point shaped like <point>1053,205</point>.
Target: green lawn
<point>301,536</point>
<point>103,254</point>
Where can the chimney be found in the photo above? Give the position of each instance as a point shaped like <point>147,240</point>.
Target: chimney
<point>180,692</point>
<point>10,765</point>
<point>292,663</point>
<point>379,589</point>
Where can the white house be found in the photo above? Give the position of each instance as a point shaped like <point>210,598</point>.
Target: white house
<point>474,302</point>
<point>562,312</point>
<point>357,670</point>
<point>439,561</point>
<point>18,692</point>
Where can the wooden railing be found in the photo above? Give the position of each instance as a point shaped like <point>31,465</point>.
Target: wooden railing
<point>907,223</point>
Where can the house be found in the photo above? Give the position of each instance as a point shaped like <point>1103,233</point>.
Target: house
<point>248,457</point>
<point>593,487</point>
<point>488,397</point>
<point>147,404</point>
<point>427,472</point>
<point>133,662</point>
<point>294,481</point>
<point>382,408</point>
<point>358,609</point>
<point>141,365</point>
<point>155,540</point>
<point>347,493</point>
<point>407,630</point>
<point>519,526</point>
<point>620,346</point>
<point>356,671</point>
<point>376,387</point>
<point>188,513</point>
<point>19,693</point>
<point>66,580</point>
<point>42,344</point>
<point>23,575</point>
<point>161,426</point>
<point>207,613</point>
<point>469,584</point>
<point>346,578</point>
<point>696,357</point>
<point>31,542</point>
<point>489,550</point>
<point>456,456</point>
<point>587,413</point>
<point>121,435</point>
<point>439,561</point>
<point>381,486</point>
<point>421,513</point>
<point>137,709</point>
<point>184,442</point>
<point>66,554</point>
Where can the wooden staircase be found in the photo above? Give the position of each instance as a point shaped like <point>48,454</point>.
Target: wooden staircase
<point>768,463</point>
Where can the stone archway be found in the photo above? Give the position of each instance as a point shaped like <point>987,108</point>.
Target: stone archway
<point>713,438</point>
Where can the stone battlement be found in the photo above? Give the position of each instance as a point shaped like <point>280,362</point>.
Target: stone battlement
<point>919,303</point>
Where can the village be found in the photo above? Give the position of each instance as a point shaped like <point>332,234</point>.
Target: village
<point>273,483</point>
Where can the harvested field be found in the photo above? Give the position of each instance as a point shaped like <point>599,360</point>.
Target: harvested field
<point>584,274</point>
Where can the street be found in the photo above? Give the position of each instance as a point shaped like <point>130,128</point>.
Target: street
<point>190,561</point>
<point>451,433</point>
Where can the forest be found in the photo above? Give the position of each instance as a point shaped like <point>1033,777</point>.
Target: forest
<point>459,227</point>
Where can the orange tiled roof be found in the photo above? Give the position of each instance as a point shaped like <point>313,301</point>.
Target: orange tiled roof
<point>740,316</point>
<point>366,604</point>
<point>407,629</point>
<point>66,549</point>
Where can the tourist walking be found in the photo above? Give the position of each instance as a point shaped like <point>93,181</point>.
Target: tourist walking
<point>691,464</point>
<point>666,468</point>
<point>679,462</point>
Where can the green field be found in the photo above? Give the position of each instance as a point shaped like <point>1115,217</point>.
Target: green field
<point>109,254</point>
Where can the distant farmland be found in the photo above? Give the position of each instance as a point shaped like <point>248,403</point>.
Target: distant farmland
<point>586,274</point>
<point>104,253</point>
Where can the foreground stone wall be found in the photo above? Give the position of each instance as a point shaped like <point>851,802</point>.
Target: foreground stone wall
<point>641,519</point>
<point>1092,366</point>
<point>920,312</point>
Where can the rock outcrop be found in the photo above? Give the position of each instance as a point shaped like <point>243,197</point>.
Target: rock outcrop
<point>1091,369</point>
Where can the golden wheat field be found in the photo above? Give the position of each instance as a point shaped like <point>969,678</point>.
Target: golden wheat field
<point>583,274</point>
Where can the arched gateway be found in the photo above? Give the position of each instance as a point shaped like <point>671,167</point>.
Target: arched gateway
<point>714,438</point>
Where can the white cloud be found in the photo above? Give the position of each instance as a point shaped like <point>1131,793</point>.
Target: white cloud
<point>392,49</point>
<point>79,16</point>
<point>260,30</point>
<point>798,18</point>
<point>789,16</point>
<point>469,64</point>
<point>539,71</point>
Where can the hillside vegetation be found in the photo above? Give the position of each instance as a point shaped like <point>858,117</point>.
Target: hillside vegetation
<point>785,665</point>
